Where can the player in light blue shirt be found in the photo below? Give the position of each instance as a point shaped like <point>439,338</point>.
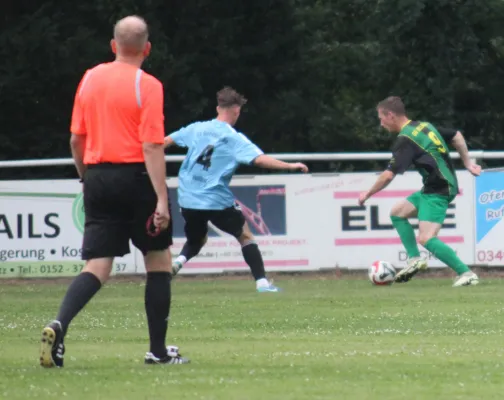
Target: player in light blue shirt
<point>214,151</point>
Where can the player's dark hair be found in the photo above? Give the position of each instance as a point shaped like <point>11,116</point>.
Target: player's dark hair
<point>392,104</point>
<point>228,97</point>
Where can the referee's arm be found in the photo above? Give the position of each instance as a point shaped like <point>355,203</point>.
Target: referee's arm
<point>79,133</point>
<point>77,146</point>
<point>152,136</point>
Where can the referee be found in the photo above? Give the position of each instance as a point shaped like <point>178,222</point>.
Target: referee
<point>117,143</point>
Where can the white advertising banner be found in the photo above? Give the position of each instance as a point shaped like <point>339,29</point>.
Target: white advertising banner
<point>275,217</point>
<point>301,222</point>
<point>41,225</point>
<point>489,199</point>
<point>366,234</point>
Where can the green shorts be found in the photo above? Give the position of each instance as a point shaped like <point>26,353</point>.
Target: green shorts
<point>431,207</point>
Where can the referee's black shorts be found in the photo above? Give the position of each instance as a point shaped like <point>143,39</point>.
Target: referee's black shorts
<point>118,201</point>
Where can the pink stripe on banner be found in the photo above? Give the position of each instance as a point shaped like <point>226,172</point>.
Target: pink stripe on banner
<point>386,241</point>
<point>235,264</point>
<point>384,194</point>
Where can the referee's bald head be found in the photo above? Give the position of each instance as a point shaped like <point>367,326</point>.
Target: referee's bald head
<point>131,36</point>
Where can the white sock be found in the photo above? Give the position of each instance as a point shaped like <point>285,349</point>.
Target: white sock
<point>181,259</point>
<point>262,282</point>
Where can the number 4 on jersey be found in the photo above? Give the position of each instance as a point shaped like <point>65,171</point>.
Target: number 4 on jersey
<point>205,157</point>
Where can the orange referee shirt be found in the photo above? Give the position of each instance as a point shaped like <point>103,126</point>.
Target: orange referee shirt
<point>118,107</point>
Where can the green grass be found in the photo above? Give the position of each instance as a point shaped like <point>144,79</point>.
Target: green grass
<point>319,339</point>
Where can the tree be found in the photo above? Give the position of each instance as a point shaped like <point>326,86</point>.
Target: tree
<point>313,71</point>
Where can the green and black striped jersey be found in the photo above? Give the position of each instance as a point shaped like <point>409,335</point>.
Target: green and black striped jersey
<point>424,146</point>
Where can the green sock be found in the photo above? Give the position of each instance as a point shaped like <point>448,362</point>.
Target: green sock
<point>446,255</point>
<point>407,235</point>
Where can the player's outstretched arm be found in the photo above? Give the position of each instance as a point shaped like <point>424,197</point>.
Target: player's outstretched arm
<point>168,142</point>
<point>180,138</point>
<point>381,183</point>
<point>459,143</point>
<point>264,161</point>
<point>403,154</point>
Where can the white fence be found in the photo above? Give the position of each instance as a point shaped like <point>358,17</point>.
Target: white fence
<point>476,155</point>
<point>301,222</point>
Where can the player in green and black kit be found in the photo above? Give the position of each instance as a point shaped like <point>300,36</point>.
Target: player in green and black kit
<point>424,146</point>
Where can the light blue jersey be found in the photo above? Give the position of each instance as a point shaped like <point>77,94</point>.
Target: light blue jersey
<point>215,149</point>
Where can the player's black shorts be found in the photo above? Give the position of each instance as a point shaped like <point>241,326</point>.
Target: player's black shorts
<point>229,220</point>
<point>118,201</point>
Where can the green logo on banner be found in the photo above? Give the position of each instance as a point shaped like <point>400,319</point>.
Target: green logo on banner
<point>78,212</point>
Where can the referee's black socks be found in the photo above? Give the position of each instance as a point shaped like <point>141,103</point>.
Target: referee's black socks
<point>157,307</point>
<point>78,294</point>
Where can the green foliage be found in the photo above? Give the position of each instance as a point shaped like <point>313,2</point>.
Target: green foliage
<point>312,70</point>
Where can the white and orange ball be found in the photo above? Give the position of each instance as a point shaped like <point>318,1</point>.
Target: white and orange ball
<point>381,273</point>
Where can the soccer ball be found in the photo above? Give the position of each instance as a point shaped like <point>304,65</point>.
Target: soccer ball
<point>381,273</point>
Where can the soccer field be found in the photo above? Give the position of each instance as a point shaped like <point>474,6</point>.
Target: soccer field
<point>319,339</point>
